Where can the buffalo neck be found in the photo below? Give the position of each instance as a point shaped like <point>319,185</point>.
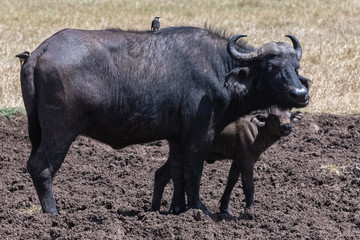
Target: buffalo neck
<point>264,139</point>
<point>253,100</point>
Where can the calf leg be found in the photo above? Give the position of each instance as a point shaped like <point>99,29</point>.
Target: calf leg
<point>162,177</point>
<point>247,179</point>
<point>232,179</point>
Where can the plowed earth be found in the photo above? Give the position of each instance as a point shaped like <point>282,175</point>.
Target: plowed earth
<point>304,188</point>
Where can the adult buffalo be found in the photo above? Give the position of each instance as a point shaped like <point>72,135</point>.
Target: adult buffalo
<point>182,84</point>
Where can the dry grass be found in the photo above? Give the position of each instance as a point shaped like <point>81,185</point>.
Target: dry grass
<point>333,169</point>
<point>328,30</point>
<point>31,210</point>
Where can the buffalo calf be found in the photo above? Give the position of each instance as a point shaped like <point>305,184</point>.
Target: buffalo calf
<point>243,141</point>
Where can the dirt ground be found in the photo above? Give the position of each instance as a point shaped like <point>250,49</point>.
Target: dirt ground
<point>304,189</point>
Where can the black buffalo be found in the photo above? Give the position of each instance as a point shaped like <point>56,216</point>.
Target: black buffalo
<point>182,84</point>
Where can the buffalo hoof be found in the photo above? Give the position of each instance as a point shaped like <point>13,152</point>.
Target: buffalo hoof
<point>207,212</point>
<point>248,214</point>
<point>204,209</point>
<point>201,206</point>
<point>225,211</point>
<point>51,211</point>
<point>176,210</point>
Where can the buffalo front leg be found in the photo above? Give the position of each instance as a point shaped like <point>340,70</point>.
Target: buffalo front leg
<point>193,167</point>
<point>178,203</point>
<point>162,177</point>
<point>196,139</point>
<point>232,179</point>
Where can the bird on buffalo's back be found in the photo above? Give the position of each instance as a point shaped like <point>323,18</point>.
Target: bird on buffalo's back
<point>23,56</point>
<point>155,24</point>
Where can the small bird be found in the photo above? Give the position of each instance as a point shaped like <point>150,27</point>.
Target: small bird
<point>356,170</point>
<point>155,24</point>
<point>23,56</point>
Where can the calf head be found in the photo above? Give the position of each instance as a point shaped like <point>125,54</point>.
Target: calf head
<point>278,121</point>
<point>271,72</point>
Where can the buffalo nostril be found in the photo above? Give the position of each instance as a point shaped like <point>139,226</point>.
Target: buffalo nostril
<point>293,95</point>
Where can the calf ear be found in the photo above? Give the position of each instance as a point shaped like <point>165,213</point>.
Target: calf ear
<point>238,81</point>
<point>296,116</point>
<point>259,120</point>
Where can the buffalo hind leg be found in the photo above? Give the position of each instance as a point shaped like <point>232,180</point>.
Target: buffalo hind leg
<point>42,166</point>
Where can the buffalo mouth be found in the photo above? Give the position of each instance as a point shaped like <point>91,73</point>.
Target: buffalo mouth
<point>285,133</point>
<point>290,102</point>
<point>302,104</point>
<point>298,97</point>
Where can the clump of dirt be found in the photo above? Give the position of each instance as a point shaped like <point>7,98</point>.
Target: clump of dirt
<point>304,188</point>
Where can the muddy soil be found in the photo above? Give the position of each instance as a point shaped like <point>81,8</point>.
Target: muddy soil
<point>304,189</point>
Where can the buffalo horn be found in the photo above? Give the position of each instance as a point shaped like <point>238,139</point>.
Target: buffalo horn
<point>297,46</point>
<point>239,55</point>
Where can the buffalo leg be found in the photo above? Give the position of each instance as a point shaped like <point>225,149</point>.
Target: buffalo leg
<point>162,177</point>
<point>186,170</point>
<point>47,157</point>
<point>193,168</point>
<point>42,166</point>
<point>232,179</point>
<point>178,203</point>
<point>42,176</point>
<point>197,148</point>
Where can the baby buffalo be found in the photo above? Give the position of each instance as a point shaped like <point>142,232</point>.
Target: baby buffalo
<point>243,141</point>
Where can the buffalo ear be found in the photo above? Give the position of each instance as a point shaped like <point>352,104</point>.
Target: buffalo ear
<point>296,116</point>
<point>259,120</point>
<point>239,81</point>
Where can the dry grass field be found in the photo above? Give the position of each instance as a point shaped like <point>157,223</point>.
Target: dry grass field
<point>328,30</point>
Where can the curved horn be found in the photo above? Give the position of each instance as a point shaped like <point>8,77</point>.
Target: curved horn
<point>239,55</point>
<point>297,46</point>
